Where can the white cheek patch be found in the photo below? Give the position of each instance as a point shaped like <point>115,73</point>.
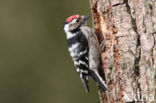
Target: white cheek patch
<point>68,33</point>
<point>66,29</point>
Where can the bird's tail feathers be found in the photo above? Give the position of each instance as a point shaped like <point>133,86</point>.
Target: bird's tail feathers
<point>85,84</point>
<point>101,83</point>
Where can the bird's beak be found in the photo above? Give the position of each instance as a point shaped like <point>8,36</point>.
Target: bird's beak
<point>86,18</point>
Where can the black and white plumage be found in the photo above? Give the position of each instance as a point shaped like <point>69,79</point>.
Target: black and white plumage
<point>84,49</point>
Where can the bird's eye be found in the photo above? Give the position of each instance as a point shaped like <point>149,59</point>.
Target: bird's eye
<point>77,20</point>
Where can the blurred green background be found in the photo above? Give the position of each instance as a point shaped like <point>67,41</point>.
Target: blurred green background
<point>35,66</point>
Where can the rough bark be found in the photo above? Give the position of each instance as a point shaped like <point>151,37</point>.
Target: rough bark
<point>128,28</point>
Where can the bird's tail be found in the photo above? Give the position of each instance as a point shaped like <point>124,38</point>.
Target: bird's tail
<point>85,84</point>
<point>101,83</point>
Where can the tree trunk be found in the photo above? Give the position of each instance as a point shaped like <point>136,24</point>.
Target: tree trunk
<point>128,28</point>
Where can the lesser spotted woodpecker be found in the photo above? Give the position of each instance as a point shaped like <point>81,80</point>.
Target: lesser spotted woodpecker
<point>84,49</point>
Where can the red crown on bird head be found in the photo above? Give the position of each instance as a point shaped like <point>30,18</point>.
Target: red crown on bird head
<point>71,18</point>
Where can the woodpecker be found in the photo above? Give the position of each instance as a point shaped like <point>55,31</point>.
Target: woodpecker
<point>84,49</point>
